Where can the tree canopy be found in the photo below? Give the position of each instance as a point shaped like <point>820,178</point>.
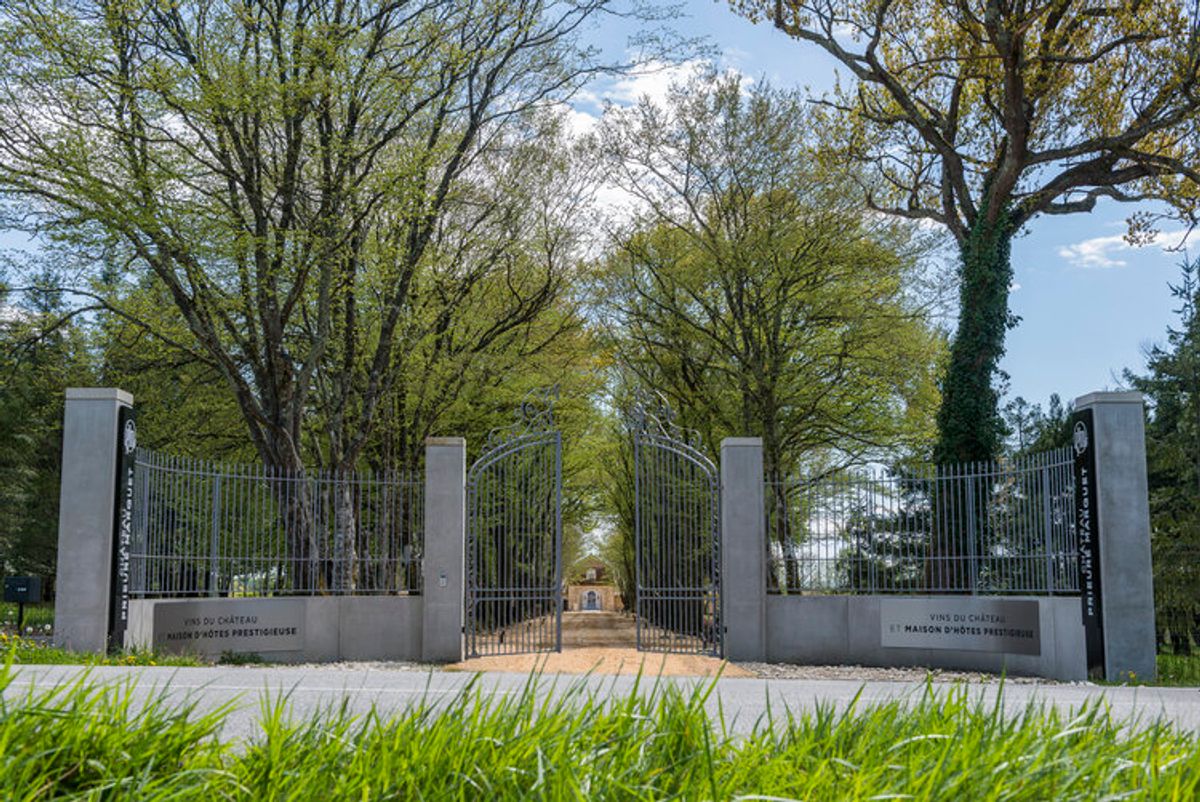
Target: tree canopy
<point>283,170</point>
<point>754,291</point>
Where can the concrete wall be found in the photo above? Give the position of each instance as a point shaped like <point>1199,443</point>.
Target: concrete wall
<point>334,627</point>
<point>831,630</point>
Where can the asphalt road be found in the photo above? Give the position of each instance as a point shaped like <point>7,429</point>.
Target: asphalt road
<point>743,701</point>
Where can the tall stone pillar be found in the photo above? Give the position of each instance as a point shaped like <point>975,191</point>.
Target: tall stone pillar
<point>1113,524</point>
<point>743,549</point>
<point>86,516</point>
<point>444,589</point>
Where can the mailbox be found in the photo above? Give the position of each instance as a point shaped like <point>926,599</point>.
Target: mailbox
<point>23,589</point>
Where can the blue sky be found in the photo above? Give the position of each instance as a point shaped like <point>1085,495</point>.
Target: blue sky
<point>1089,303</point>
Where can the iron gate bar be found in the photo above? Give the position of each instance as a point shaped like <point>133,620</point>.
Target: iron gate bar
<point>514,537</point>
<point>676,538</point>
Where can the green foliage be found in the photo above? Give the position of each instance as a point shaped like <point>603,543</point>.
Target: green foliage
<point>1032,430</point>
<point>184,405</point>
<point>345,216</point>
<point>1178,669</point>
<point>38,617</point>
<point>755,292</point>
<point>970,427</point>
<point>88,739</point>
<point>1172,389</point>
<point>42,352</point>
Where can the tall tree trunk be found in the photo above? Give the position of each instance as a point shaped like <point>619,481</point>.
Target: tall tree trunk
<point>345,537</point>
<point>970,429</point>
<point>969,424</point>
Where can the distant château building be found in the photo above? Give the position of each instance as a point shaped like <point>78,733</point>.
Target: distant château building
<point>590,587</point>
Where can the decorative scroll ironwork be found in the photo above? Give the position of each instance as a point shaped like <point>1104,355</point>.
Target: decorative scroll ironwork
<point>651,414</point>
<point>677,531</point>
<point>534,415</point>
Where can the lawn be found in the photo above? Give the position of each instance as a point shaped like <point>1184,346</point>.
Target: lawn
<point>27,651</point>
<point>1178,669</point>
<point>87,739</point>
<point>39,618</point>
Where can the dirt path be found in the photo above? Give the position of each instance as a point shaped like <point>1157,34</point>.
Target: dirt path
<point>604,660</point>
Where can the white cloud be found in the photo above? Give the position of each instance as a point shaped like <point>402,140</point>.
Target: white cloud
<point>13,314</point>
<point>651,79</point>
<point>1095,252</point>
<point>1103,252</point>
<point>579,123</point>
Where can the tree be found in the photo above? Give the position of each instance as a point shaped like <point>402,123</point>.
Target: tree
<point>1172,388</point>
<point>282,170</point>
<point>755,293</point>
<point>981,115</point>
<point>1032,430</point>
<point>43,351</point>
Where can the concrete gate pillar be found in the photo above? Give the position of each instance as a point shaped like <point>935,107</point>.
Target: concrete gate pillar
<point>445,549</point>
<point>86,516</point>
<point>1113,523</point>
<point>743,549</point>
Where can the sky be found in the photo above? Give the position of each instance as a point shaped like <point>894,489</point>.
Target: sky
<point>1090,305</point>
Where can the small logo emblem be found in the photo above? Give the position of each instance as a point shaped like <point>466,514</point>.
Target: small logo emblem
<point>130,439</point>
<point>1079,438</point>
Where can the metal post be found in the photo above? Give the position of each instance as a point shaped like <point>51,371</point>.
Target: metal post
<point>972,566</point>
<point>558,567</point>
<point>214,539</point>
<point>637,541</point>
<point>1047,519</point>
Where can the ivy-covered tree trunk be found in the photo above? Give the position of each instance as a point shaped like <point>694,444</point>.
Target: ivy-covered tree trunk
<point>970,429</point>
<point>969,424</point>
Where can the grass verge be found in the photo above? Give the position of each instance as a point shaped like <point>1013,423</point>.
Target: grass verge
<point>39,618</point>
<point>90,740</point>
<point>26,651</point>
<point>1178,669</point>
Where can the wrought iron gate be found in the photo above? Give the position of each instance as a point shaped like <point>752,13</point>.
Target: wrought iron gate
<point>514,537</point>
<point>677,519</point>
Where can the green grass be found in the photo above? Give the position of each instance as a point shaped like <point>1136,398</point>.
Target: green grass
<point>26,651</point>
<point>1178,669</point>
<point>38,616</point>
<point>87,740</point>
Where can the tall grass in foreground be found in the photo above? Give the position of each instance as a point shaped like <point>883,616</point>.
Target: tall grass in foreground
<point>87,740</point>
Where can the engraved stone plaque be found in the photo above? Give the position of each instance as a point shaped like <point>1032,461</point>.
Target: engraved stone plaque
<point>966,623</point>
<point>214,626</point>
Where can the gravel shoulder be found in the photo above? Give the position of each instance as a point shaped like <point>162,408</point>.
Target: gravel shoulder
<point>876,674</point>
